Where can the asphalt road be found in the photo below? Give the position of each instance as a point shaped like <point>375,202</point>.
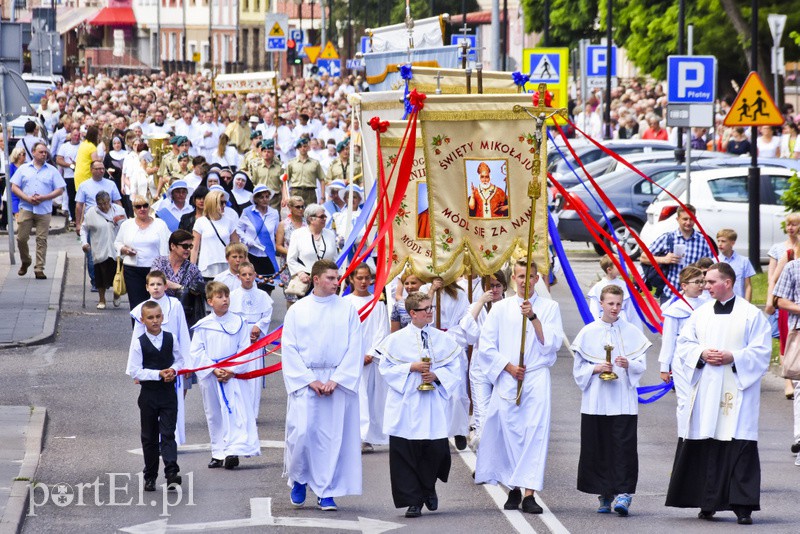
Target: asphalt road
<point>93,428</point>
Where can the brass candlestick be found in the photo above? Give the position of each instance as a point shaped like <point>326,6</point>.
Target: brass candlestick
<point>426,386</point>
<point>608,375</point>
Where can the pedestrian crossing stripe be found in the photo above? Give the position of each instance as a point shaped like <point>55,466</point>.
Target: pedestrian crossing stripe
<point>753,106</point>
<point>545,68</point>
<point>276,31</point>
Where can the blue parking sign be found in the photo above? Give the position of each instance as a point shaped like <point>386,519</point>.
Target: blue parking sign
<point>472,39</point>
<point>691,79</point>
<point>365,45</point>
<point>597,63</point>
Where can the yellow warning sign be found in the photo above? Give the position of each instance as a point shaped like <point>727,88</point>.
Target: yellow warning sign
<point>753,106</point>
<point>276,31</point>
<point>329,52</point>
<point>312,52</point>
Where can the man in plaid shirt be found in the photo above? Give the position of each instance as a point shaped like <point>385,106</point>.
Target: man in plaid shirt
<point>786,289</point>
<point>678,249</point>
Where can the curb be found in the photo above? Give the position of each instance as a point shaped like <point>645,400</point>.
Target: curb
<point>14,516</point>
<point>53,309</point>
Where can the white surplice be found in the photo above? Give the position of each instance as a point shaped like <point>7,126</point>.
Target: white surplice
<point>452,310</point>
<point>609,397</point>
<point>628,310</point>
<point>372,390</point>
<point>410,413</point>
<point>322,341</point>
<point>255,307</point>
<point>724,404</point>
<point>514,440</point>
<point>229,411</point>
<point>480,385</point>
<point>175,323</point>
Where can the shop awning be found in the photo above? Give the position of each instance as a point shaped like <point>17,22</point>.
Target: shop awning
<point>114,16</point>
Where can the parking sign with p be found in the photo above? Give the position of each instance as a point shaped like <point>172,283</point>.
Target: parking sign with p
<point>691,79</point>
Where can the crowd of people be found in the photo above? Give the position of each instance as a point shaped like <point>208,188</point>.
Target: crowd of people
<point>200,205</point>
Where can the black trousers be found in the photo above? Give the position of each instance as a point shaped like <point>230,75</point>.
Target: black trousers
<point>135,283</point>
<point>71,191</point>
<point>263,267</point>
<point>414,466</point>
<point>158,408</point>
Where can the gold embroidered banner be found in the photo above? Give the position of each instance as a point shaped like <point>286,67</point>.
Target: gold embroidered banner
<point>412,230</point>
<point>479,159</point>
<point>454,81</point>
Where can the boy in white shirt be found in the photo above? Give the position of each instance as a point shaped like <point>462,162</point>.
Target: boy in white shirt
<point>235,254</point>
<point>611,276</point>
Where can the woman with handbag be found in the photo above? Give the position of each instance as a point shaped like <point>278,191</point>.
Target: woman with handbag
<point>140,241</point>
<point>100,226</point>
<point>283,237</point>
<point>309,245</point>
<point>211,234</point>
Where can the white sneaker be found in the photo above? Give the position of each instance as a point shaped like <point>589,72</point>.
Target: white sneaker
<point>797,460</point>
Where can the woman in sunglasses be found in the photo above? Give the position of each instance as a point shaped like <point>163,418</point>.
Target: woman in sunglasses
<point>140,241</point>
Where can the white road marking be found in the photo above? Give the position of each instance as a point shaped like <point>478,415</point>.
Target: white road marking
<point>261,516</point>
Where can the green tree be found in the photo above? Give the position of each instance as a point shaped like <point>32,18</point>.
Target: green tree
<point>570,20</point>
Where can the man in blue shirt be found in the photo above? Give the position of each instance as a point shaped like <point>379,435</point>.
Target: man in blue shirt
<point>678,249</point>
<point>87,191</point>
<point>36,184</point>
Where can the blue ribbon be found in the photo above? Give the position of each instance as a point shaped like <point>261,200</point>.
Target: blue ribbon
<point>520,79</point>
<point>572,282</point>
<point>610,227</point>
<point>222,389</point>
<point>263,236</point>
<point>169,219</point>
<point>658,391</point>
<point>406,74</point>
<point>359,224</point>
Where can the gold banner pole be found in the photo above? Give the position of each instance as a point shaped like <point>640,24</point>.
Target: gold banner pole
<point>540,114</point>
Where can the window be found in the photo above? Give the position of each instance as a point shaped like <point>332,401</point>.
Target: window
<point>729,189</point>
<point>661,178</point>
<point>779,185</point>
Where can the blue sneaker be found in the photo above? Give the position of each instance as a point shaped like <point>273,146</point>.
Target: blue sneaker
<point>621,504</point>
<point>298,494</point>
<point>326,504</point>
<point>605,504</point>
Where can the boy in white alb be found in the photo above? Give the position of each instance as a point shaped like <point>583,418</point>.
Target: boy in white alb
<point>174,322</point>
<point>229,410</point>
<point>609,461</point>
<point>611,276</point>
<point>372,390</point>
<point>255,307</point>
<point>235,254</point>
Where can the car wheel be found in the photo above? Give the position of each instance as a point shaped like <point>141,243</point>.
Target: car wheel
<point>625,238</point>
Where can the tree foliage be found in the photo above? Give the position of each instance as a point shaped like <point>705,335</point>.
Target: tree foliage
<point>647,29</point>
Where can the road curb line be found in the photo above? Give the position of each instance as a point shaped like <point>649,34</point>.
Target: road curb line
<point>14,516</point>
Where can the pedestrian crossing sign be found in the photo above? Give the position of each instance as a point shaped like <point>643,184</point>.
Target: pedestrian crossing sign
<point>753,106</point>
<point>544,68</point>
<point>276,31</point>
<point>549,66</point>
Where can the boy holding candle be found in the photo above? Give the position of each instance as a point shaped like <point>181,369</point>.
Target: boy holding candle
<point>609,462</point>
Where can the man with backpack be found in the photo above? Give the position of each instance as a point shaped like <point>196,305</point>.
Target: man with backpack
<point>673,251</point>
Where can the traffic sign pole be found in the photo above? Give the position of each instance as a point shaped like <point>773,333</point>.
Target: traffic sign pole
<point>7,170</point>
<point>754,174</point>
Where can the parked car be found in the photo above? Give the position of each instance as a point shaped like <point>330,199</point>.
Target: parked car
<point>38,86</point>
<point>590,155</point>
<point>721,199</point>
<point>631,195</point>
<point>16,130</point>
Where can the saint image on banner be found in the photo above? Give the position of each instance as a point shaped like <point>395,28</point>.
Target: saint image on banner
<point>423,221</point>
<point>487,198</point>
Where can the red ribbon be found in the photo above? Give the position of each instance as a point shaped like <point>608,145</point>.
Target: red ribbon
<point>643,175</point>
<point>230,360</point>
<point>378,125</point>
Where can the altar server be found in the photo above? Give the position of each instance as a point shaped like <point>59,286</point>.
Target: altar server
<point>609,461</point>
<point>229,411</point>
<point>417,420</point>
<point>513,448</point>
<point>322,363</point>
<point>725,349</point>
<point>372,391</point>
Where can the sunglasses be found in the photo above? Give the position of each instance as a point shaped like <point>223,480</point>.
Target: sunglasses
<point>186,246</point>
<point>141,206</point>
<point>426,310</point>
<point>300,207</point>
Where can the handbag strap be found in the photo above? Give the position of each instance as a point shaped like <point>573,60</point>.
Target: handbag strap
<point>215,231</point>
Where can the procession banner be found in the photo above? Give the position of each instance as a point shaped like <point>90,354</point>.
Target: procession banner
<point>388,105</point>
<point>383,68</point>
<point>412,231</point>
<point>479,160</point>
<point>454,81</point>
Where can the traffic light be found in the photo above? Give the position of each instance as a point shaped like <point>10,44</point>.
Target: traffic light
<point>291,53</point>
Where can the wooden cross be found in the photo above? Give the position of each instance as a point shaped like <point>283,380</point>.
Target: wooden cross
<point>726,404</point>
